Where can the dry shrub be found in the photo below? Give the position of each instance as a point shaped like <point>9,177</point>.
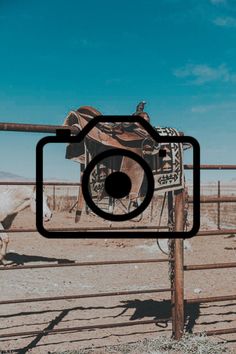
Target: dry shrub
<point>189,344</point>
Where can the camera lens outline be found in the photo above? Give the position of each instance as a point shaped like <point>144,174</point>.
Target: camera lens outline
<point>120,178</point>
<point>117,152</point>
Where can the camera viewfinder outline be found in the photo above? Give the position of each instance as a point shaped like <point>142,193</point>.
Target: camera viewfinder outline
<point>64,136</point>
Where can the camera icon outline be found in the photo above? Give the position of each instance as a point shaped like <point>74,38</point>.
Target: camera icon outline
<point>64,136</point>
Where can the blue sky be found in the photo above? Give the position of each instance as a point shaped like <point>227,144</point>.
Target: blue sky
<point>180,56</point>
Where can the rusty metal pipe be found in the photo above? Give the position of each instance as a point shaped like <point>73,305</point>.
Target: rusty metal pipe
<point>84,296</point>
<point>88,229</point>
<point>216,332</point>
<point>205,199</point>
<point>200,233</point>
<point>216,232</point>
<point>82,328</point>
<point>35,128</point>
<point>32,183</point>
<point>209,266</point>
<point>211,167</point>
<point>210,299</point>
<point>87,264</point>
<point>178,289</point>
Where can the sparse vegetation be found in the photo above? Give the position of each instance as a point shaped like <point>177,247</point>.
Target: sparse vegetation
<point>189,344</point>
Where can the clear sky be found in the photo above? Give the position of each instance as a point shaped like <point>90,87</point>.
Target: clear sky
<point>180,56</point>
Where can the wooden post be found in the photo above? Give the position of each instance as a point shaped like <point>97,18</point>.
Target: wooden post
<point>172,284</point>
<point>179,289</point>
<point>179,210</point>
<point>171,262</point>
<point>218,208</point>
<point>179,267</point>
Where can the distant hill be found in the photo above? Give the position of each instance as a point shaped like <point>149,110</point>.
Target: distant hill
<point>6,176</point>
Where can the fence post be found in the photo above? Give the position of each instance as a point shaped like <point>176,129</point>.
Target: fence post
<point>218,207</point>
<point>172,258</point>
<point>172,282</point>
<point>179,288</point>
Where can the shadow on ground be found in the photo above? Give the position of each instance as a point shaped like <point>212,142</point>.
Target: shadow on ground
<point>160,311</point>
<point>21,259</point>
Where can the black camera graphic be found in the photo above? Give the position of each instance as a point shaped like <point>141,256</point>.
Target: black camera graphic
<point>125,161</point>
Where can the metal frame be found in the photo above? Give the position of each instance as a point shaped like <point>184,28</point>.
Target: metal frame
<point>83,296</point>
<point>178,260</point>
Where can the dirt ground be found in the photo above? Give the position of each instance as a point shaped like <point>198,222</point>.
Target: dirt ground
<point>31,248</point>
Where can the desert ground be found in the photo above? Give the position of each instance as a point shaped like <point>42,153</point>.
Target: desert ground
<point>33,249</point>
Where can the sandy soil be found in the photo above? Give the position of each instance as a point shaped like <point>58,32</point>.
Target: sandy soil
<point>31,248</point>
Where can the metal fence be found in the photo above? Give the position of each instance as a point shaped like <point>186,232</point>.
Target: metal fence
<point>84,296</point>
<point>177,291</point>
<point>177,297</point>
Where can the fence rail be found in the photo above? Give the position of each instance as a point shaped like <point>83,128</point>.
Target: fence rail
<point>84,296</point>
<point>35,128</point>
<point>89,264</point>
<point>82,328</point>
